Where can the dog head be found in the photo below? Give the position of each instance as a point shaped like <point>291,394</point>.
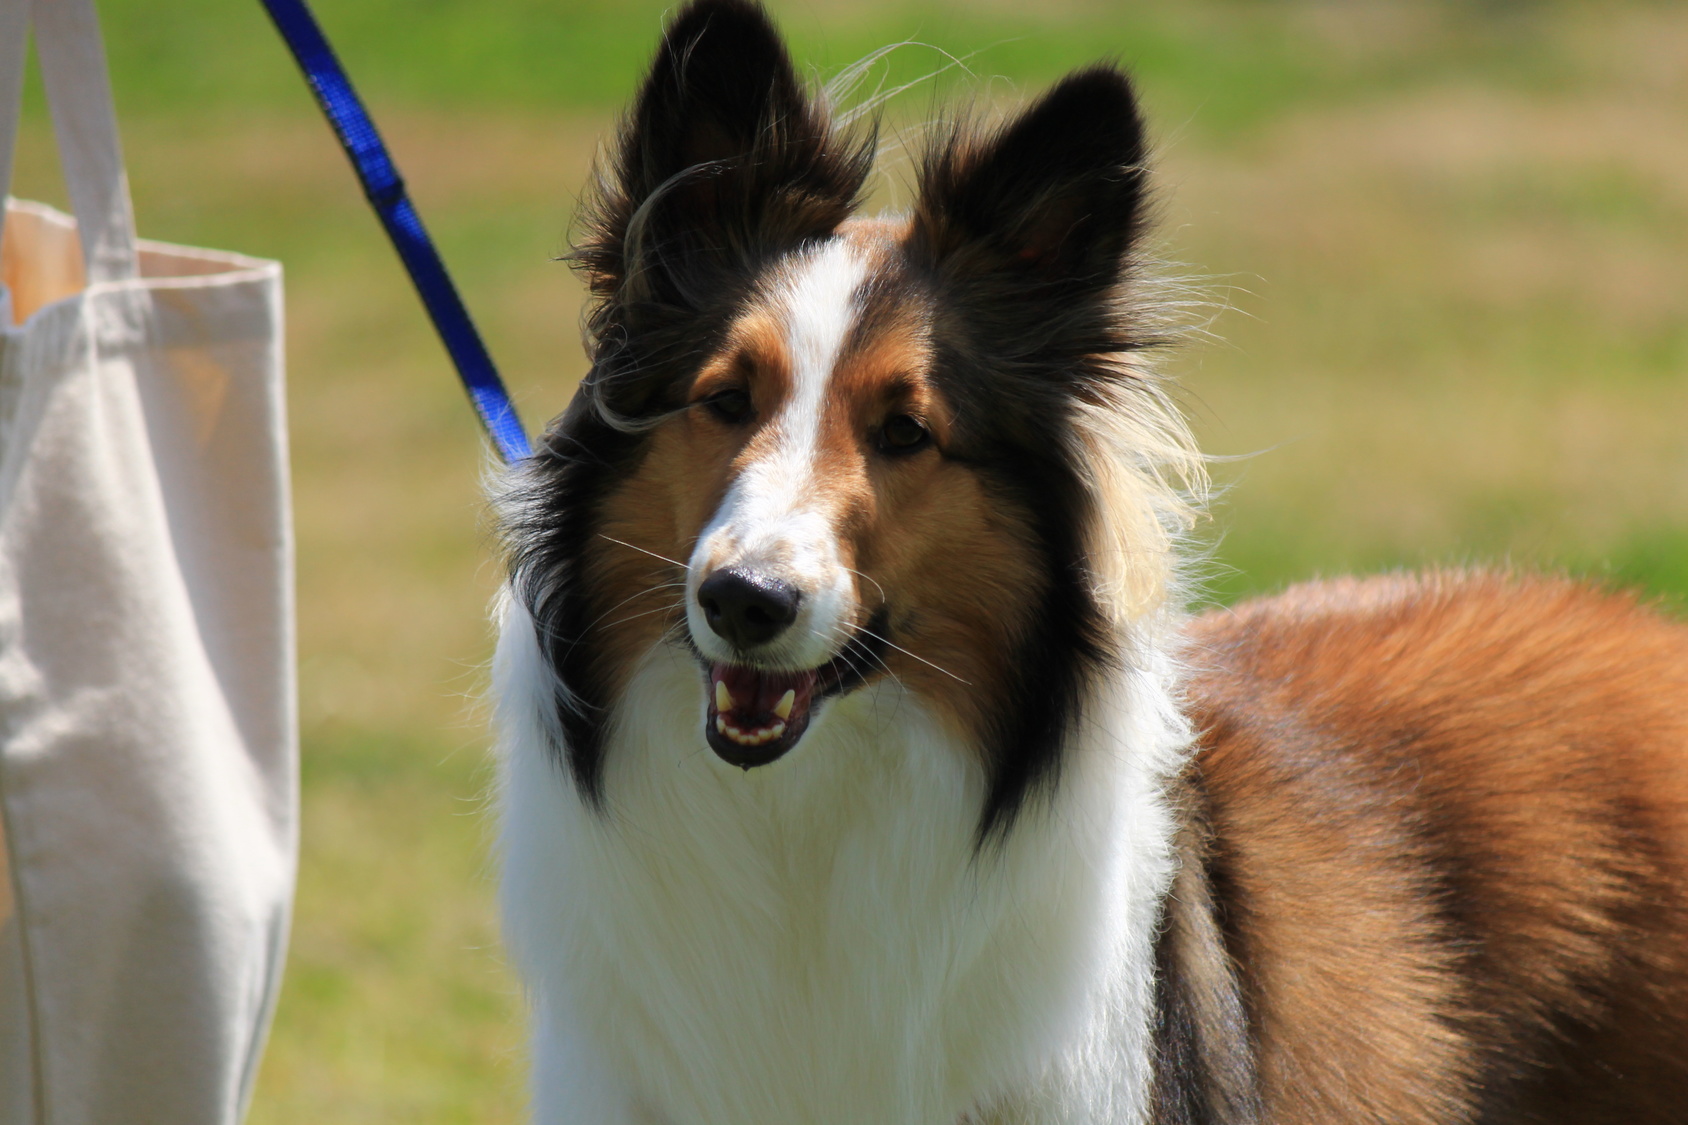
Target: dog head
<point>815,450</point>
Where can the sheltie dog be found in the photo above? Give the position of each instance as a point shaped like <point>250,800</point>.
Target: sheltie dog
<point>860,767</point>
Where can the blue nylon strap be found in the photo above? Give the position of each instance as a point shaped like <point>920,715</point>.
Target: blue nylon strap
<point>385,189</point>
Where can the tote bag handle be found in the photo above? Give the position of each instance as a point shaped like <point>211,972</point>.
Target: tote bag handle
<point>73,67</point>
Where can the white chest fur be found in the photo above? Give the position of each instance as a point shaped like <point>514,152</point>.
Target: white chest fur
<point>817,941</point>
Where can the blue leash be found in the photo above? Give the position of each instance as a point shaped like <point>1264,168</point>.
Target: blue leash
<point>385,189</point>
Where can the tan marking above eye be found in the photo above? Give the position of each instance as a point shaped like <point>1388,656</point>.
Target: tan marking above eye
<point>752,359</point>
<point>719,376</point>
<point>914,398</point>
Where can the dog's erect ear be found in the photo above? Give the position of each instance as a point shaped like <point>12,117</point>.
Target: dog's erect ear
<point>723,160</point>
<point>1053,200</point>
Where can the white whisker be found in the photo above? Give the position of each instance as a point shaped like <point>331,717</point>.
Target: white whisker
<point>644,613</point>
<point>913,655</point>
<point>870,578</point>
<point>639,594</point>
<point>642,551</point>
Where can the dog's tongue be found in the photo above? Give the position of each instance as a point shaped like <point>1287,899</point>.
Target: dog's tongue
<point>757,711</point>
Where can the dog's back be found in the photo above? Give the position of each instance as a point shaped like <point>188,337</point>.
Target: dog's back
<point>1447,846</point>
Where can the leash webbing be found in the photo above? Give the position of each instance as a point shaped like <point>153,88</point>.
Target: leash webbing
<point>386,192</point>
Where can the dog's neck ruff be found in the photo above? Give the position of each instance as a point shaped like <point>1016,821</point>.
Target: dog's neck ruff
<point>822,940</point>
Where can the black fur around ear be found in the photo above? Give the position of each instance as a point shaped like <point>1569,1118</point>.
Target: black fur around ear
<point>1026,234</point>
<point>1054,199</point>
<point>723,160</point>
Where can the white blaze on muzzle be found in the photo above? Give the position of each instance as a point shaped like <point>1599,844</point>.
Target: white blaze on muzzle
<point>775,524</point>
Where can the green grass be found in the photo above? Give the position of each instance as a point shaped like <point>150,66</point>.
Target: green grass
<point>1450,239</point>
<point>1230,64</point>
<point>392,905</point>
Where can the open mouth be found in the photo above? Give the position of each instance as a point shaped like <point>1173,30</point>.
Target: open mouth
<point>757,714</point>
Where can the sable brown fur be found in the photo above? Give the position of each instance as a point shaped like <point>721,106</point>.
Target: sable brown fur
<point>1448,852</point>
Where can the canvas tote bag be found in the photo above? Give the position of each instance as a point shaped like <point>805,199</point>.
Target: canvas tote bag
<point>147,719</point>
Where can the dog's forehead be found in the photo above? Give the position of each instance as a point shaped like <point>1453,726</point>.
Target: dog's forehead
<point>815,298</point>
<point>831,303</point>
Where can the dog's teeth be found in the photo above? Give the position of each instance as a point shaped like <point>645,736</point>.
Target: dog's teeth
<point>751,737</point>
<point>783,707</point>
<point>723,697</point>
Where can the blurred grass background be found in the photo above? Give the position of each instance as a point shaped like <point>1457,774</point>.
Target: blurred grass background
<point>1449,237</point>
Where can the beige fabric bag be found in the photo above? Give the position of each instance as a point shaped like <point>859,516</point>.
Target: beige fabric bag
<point>148,746</point>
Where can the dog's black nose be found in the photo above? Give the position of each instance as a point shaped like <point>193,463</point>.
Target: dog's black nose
<point>745,608</point>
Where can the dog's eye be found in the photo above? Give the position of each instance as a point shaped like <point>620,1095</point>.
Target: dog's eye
<point>903,433</point>
<point>731,406</point>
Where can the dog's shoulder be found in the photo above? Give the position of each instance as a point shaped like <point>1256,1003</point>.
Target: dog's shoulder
<point>1448,836</point>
